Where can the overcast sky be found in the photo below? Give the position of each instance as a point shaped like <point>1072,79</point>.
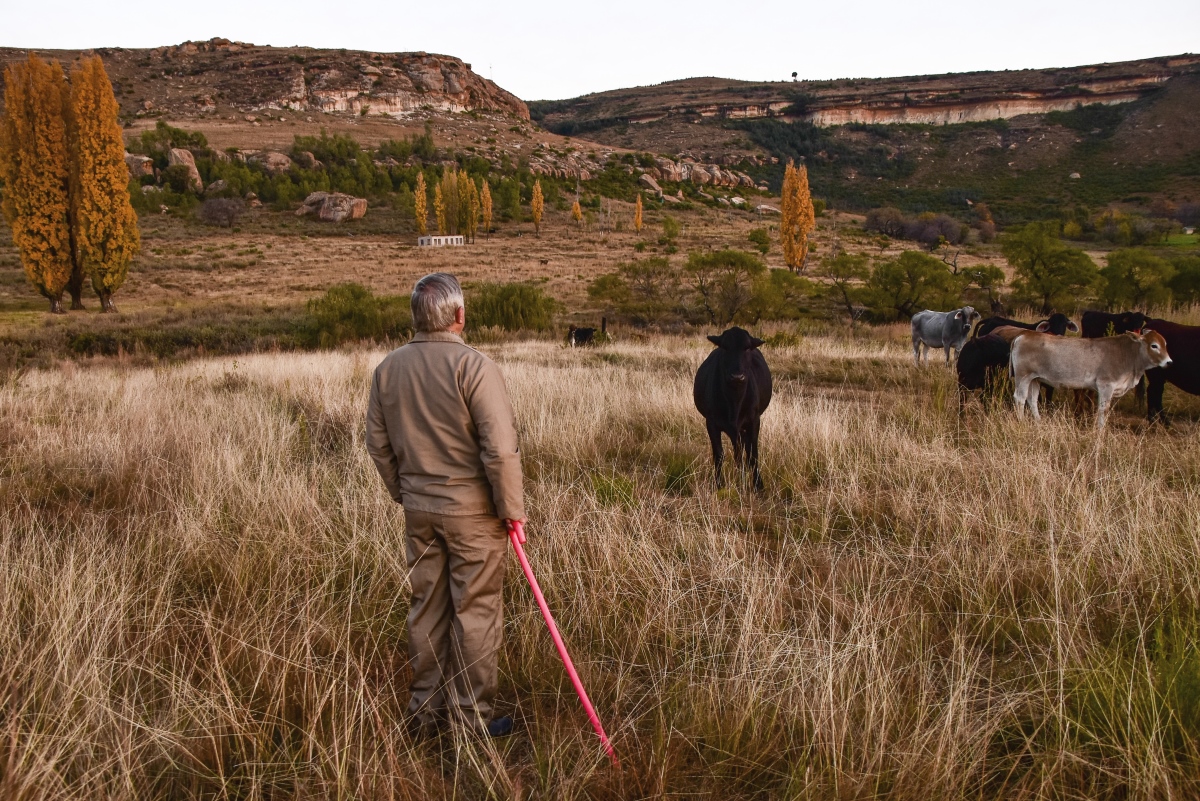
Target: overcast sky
<point>549,50</point>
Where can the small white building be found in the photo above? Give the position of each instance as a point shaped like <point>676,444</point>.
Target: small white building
<point>440,241</point>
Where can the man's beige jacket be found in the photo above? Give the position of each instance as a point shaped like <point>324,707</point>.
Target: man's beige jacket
<point>440,429</point>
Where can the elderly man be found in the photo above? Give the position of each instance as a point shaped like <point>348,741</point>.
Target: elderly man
<point>440,430</point>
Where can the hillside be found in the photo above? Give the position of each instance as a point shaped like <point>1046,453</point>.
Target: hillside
<point>198,79</point>
<point>1027,142</point>
<point>925,99</point>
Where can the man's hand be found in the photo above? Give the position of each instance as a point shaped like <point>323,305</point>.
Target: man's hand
<point>512,525</point>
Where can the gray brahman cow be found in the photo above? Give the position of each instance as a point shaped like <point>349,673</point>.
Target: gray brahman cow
<point>948,330</point>
<point>1110,365</point>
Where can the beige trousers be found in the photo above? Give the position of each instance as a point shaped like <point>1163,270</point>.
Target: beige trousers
<point>456,622</point>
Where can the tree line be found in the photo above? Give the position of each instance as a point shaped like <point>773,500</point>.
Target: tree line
<point>732,286</point>
<point>65,183</point>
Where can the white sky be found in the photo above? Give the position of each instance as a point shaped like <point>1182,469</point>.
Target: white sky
<point>549,50</point>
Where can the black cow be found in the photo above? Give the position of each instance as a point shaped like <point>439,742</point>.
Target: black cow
<point>581,336</point>
<point>1096,323</point>
<point>1058,324</point>
<point>1183,343</point>
<point>732,390</point>
<point>980,363</point>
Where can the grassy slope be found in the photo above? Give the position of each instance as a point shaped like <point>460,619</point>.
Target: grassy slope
<point>205,594</point>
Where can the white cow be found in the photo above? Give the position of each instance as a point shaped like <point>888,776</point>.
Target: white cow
<point>947,330</point>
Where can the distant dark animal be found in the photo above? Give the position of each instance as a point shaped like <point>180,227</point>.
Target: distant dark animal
<point>1110,366</point>
<point>577,337</point>
<point>1095,323</point>
<point>732,390</point>
<point>948,330</point>
<point>1184,371</point>
<point>980,364</point>
<point>1058,324</point>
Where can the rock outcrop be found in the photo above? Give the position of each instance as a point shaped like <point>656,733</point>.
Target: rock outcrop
<point>333,207</point>
<point>218,74</point>
<point>139,165</point>
<point>178,155</point>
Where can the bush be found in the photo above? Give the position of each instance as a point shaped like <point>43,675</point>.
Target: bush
<point>512,307</point>
<point>177,177</point>
<point>351,312</point>
<point>910,283</point>
<point>761,239</point>
<point>222,211</point>
<point>1136,279</point>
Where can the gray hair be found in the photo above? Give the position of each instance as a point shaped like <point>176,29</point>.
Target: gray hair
<point>435,299</point>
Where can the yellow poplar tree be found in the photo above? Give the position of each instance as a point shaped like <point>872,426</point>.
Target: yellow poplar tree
<point>576,212</point>
<point>34,158</point>
<point>797,218</point>
<point>419,200</point>
<point>472,209</point>
<point>485,202</point>
<point>536,204</point>
<point>637,214</point>
<point>450,204</point>
<point>439,208</point>
<point>105,224</point>
<point>468,208</point>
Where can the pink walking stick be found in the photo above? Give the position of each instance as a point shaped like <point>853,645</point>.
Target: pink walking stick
<point>516,533</point>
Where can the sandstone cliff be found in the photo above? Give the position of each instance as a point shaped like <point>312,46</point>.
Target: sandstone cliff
<point>932,99</point>
<point>196,78</point>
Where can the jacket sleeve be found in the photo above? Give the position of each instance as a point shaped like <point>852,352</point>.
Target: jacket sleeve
<point>492,414</point>
<point>379,445</point>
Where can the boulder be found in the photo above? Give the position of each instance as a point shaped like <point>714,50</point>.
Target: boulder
<point>333,206</point>
<point>668,169</point>
<point>178,155</point>
<point>671,199</point>
<point>272,161</point>
<point>216,186</point>
<point>651,184</point>
<point>765,209</point>
<point>738,201</point>
<point>724,201</point>
<point>745,180</point>
<point>139,165</point>
<point>700,175</point>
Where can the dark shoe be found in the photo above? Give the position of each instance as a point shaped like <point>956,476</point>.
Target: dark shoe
<point>500,727</point>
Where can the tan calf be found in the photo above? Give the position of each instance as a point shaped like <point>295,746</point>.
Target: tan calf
<point>1111,366</point>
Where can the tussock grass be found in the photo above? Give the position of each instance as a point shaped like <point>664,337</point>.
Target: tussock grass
<point>203,591</point>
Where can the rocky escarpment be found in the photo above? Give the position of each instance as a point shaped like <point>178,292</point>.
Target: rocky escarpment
<point>200,77</point>
<point>936,99</point>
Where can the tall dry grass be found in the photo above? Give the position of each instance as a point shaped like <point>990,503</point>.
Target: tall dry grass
<point>203,591</point>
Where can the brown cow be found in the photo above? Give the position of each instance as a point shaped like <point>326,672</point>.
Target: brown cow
<point>1111,366</point>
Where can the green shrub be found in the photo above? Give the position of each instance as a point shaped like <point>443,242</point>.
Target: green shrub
<point>512,307</point>
<point>761,239</point>
<point>351,312</point>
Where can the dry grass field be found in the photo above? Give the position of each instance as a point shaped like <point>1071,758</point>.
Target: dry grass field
<point>203,593</point>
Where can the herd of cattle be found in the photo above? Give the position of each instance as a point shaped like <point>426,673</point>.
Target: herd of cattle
<point>1111,358</point>
<point>1115,353</point>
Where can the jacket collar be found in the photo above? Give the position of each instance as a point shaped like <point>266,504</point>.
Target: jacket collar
<point>437,336</point>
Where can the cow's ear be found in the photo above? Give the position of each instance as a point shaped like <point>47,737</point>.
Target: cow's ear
<point>1143,332</point>
<point>715,340</point>
<point>1074,329</point>
<point>1043,326</point>
<point>755,342</point>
